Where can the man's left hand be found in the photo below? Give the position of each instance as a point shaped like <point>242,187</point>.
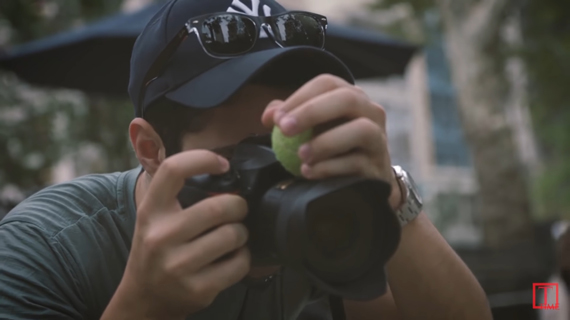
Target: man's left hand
<point>356,147</point>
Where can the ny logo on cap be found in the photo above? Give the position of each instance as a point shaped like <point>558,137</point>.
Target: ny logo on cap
<point>241,7</point>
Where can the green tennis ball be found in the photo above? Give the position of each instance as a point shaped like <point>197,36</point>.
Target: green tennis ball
<point>286,149</point>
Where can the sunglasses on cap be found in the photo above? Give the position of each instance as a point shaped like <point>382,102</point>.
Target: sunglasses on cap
<point>230,34</point>
<point>227,34</point>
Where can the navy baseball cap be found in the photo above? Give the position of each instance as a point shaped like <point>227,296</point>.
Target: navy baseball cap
<point>193,78</point>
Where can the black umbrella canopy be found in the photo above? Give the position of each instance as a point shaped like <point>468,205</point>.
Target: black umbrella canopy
<point>96,58</point>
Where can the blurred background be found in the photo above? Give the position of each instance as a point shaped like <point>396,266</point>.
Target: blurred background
<point>476,94</point>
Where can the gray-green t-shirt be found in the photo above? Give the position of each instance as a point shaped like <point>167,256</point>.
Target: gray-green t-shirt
<point>63,252</point>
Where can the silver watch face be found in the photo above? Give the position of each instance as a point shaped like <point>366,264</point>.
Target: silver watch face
<point>414,190</point>
<point>399,171</point>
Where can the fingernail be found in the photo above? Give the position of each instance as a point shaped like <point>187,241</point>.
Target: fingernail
<point>274,103</point>
<point>288,124</point>
<point>278,115</point>
<point>224,162</point>
<point>305,152</point>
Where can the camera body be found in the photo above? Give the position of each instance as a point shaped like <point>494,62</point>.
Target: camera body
<point>339,232</point>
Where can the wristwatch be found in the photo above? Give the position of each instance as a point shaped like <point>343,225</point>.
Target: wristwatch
<point>412,203</point>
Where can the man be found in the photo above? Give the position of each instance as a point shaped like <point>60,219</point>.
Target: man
<point>119,246</point>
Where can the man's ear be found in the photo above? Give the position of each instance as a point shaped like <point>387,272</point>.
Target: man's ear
<point>147,144</point>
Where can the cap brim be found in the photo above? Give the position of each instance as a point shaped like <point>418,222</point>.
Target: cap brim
<point>217,85</point>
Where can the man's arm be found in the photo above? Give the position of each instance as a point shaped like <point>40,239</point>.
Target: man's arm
<point>427,281</point>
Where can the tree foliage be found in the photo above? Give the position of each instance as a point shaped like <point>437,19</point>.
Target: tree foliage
<point>418,6</point>
<point>32,19</point>
<point>39,127</point>
<point>547,48</point>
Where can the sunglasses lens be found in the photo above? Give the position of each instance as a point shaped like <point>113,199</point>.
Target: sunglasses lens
<point>298,29</point>
<point>228,34</point>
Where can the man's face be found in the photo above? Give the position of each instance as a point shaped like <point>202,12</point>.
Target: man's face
<point>236,120</point>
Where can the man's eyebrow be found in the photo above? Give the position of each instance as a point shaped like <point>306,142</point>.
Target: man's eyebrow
<point>227,151</point>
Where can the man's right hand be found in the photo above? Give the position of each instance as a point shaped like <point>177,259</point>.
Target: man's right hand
<point>181,259</point>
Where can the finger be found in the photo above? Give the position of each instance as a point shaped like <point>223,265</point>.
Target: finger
<point>267,117</point>
<point>361,133</point>
<point>205,215</point>
<point>202,251</point>
<point>313,88</point>
<point>381,114</point>
<point>171,174</point>
<point>225,273</point>
<point>353,164</point>
<point>340,103</point>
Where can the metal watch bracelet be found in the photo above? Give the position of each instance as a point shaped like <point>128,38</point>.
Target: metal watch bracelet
<point>412,204</point>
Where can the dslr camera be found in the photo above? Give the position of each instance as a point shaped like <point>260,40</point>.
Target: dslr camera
<point>338,232</point>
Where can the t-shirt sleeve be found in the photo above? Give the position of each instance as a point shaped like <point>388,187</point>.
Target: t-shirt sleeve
<point>35,280</point>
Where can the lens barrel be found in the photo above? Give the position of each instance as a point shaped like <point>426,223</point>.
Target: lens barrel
<point>337,231</point>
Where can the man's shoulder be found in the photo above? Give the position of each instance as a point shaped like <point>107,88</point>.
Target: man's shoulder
<point>66,247</point>
<point>56,207</point>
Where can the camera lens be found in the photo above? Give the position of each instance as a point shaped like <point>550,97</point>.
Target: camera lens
<point>339,232</point>
<point>340,229</point>
<point>333,232</point>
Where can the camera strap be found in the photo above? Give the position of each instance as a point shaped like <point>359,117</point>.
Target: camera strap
<point>337,308</point>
